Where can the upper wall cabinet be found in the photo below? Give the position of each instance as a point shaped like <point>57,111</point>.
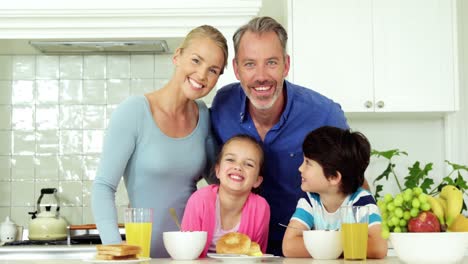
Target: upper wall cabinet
<point>377,55</point>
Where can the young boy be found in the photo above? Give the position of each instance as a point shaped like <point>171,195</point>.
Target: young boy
<point>332,175</point>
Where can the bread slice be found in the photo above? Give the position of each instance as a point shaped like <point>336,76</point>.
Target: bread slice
<point>110,257</point>
<point>118,250</point>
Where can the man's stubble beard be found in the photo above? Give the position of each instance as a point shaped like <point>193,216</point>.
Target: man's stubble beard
<point>264,106</point>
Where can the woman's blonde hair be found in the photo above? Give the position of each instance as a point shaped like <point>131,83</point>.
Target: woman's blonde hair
<point>207,31</point>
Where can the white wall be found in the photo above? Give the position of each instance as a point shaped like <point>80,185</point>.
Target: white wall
<point>421,137</point>
<point>276,9</point>
<point>53,115</point>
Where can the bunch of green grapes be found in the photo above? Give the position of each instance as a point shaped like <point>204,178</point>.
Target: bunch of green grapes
<point>397,211</point>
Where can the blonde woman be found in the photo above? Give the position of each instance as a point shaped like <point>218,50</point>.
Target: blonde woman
<point>159,141</point>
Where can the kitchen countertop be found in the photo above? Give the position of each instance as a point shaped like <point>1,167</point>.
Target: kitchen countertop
<point>43,252</point>
<point>387,260</point>
<point>77,253</point>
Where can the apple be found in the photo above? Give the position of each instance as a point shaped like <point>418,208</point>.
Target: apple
<point>424,222</point>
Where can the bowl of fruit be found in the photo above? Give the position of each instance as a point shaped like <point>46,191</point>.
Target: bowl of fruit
<point>424,228</point>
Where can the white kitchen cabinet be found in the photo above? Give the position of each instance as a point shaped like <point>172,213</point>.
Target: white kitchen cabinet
<point>376,55</point>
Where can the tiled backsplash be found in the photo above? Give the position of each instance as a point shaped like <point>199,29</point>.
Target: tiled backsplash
<point>53,115</point>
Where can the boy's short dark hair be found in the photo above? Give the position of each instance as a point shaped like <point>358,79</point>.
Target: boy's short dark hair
<point>339,150</point>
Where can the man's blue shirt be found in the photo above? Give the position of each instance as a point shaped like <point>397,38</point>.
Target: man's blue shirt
<point>305,110</point>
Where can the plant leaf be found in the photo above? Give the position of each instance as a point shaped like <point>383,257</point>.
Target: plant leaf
<point>411,180</point>
<point>388,154</point>
<point>385,173</point>
<point>378,189</point>
<point>445,181</point>
<point>426,184</point>
<point>416,175</point>
<point>457,166</point>
<point>419,177</point>
<point>461,183</point>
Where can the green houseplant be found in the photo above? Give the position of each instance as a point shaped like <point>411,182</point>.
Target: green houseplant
<point>418,175</point>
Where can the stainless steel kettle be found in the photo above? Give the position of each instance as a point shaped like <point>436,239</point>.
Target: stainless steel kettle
<point>47,225</point>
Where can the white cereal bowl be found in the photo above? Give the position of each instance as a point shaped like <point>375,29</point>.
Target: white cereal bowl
<point>184,245</point>
<point>441,247</point>
<point>323,244</point>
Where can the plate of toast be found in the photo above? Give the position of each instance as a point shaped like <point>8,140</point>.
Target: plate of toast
<point>117,253</point>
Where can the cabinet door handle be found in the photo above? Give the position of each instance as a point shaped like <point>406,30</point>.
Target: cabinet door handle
<point>368,104</point>
<point>380,104</point>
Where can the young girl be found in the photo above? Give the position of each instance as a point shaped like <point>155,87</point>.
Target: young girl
<point>231,206</point>
<point>332,175</point>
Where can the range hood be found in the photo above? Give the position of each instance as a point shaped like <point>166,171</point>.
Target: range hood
<point>120,19</point>
<point>99,47</point>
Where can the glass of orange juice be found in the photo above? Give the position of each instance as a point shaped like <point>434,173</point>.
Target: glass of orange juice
<point>354,231</point>
<point>138,227</point>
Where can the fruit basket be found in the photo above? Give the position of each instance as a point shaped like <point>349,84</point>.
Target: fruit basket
<point>425,224</point>
<point>433,247</point>
<point>416,223</point>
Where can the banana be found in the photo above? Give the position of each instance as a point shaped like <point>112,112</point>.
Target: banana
<point>454,199</point>
<point>437,209</point>
<point>442,202</point>
<point>460,224</point>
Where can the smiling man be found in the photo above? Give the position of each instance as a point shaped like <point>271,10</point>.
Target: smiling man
<point>274,111</point>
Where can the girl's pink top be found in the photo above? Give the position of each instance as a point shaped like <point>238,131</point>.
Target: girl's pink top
<point>200,215</point>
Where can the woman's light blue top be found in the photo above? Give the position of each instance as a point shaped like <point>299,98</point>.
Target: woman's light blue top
<point>159,172</point>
